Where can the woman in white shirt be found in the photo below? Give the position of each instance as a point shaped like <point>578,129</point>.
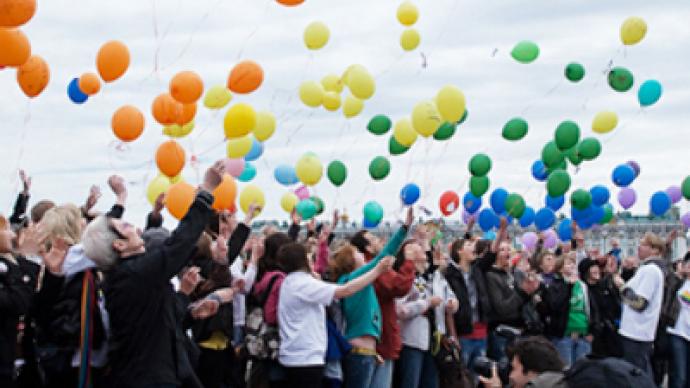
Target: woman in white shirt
<point>302,317</point>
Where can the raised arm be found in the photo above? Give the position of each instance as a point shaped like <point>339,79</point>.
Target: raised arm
<point>155,217</point>
<point>356,284</point>
<point>502,233</point>
<point>19,212</point>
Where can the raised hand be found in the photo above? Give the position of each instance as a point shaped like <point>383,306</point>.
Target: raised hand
<point>29,241</point>
<point>213,176</point>
<point>295,217</point>
<point>159,204</point>
<point>26,182</point>
<point>117,185</point>
<point>336,215</point>
<point>204,308</point>
<point>190,280</point>
<point>252,212</point>
<point>92,199</point>
<point>385,264</point>
<point>325,232</point>
<point>410,217</point>
<point>55,258</point>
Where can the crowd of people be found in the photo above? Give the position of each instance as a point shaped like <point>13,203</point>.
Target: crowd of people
<point>89,300</point>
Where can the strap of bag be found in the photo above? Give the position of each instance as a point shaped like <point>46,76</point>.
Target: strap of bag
<point>264,296</point>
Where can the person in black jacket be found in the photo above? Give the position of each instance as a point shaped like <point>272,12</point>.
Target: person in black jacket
<point>605,310</point>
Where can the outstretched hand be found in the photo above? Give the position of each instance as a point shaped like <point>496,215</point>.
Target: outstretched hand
<point>213,176</point>
<point>92,199</point>
<point>26,182</point>
<point>55,258</point>
<point>410,217</point>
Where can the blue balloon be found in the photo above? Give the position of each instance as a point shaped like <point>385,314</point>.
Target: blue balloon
<point>539,171</point>
<point>487,219</point>
<point>565,232</point>
<point>554,203</point>
<point>623,175</point>
<point>660,203</point>
<point>248,173</point>
<point>285,175</point>
<point>366,224</point>
<point>471,203</point>
<point>498,200</point>
<point>600,195</point>
<point>527,217</point>
<point>597,214</point>
<point>509,219</point>
<point>490,235</point>
<point>410,194</point>
<point>75,94</point>
<point>649,93</point>
<point>256,151</point>
<point>581,215</point>
<point>544,218</point>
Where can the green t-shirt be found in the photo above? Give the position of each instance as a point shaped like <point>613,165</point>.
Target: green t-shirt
<point>577,316</point>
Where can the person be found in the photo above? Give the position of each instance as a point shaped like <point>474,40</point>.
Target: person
<point>605,310</point>
<point>675,315</point>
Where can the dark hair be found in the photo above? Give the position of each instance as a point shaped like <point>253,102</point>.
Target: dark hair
<point>481,247</point>
<point>293,257</point>
<point>455,247</point>
<point>400,256</point>
<point>40,208</point>
<point>269,262</point>
<point>359,241</point>
<point>536,354</point>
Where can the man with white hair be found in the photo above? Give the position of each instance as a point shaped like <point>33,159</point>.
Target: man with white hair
<point>146,343</point>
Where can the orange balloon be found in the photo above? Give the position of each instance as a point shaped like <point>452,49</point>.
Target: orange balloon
<point>170,158</point>
<point>127,123</point>
<point>14,13</point>
<point>188,113</point>
<point>245,77</point>
<point>179,199</point>
<point>290,3</point>
<point>166,110</point>
<point>33,76</point>
<point>224,195</point>
<point>89,84</point>
<point>16,48</point>
<point>112,60</point>
<point>186,87</point>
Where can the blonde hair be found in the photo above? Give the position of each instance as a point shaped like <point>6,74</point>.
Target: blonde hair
<point>655,242</point>
<point>64,222</point>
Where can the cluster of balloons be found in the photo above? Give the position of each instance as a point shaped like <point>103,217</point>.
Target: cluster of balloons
<point>112,61</point>
<point>326,93</point>
<point>408,14</point>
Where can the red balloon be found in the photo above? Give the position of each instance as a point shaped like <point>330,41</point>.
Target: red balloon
<point>449,202</point>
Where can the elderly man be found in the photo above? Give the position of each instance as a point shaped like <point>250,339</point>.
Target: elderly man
<point>146,344</point>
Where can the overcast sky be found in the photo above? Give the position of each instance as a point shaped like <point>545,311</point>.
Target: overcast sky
<point>68,147</point>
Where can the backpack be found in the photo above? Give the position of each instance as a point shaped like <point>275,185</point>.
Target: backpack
<point>261,339</point>
<point>607,372</point>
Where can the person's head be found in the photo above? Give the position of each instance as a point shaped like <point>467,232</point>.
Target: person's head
<point>366,243</point>
<point>64,222</point>
<point>566,247</point>
<point>106,239</point>
<point>567,265</point>
<point>614,243</point>
<point>630,262</point>
<point>531,357</point>
<point>462,250</point>
<point>651,245</point>
<point>6,235</point>
<point>481,247</point>
<point>344,261</point>
<point>414,252</point>
<point>503,255</point>
<point>154,238</point>
<point>269,260</point>
<point>547,262</point>
<point>579,239</point>
<point>293,257</point>
<point>39,209</point>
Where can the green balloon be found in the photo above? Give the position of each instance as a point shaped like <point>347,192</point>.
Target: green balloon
<point>621,79</point>
<point>515,129</point>
<point>589,148</point>
<point>573,156</point>
<point>396,148</point>
<point>558,183</point>
<point>373,212</point>
<point>379,168</point>
<point>337,172</point>
<point>515,205</point>
<point>445,131</point>
<point>464,117</point>
<point>480,165</point>
<point>525,51</point>
<point>685,187</point>
<point>580,199</point>
<point>479,185</point>
<point>319,204</point>
<point>379,124</point>
<point>551,155</point>
<point>574,72</point>
<point>306,208</point>
<point>608,214</point>
<point>567,135</point>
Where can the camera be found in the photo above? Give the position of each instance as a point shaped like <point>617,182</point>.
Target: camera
<point>482,367</point>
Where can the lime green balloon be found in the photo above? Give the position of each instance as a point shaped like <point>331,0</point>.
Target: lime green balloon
<point>574,72</point>
<point>515,129</point>
<point>445,131</point>
<point>589,148</point>
<point>551,155</point>
<point>567,135</point>
<point>480,165</point>
<point>379,124</point>
<point>558,183</point>
<point>621,79</point>
<point>580,199</point>
<point>515,205</point>
<point>685,187</point>
<point>479,185</point>
<point>525,52</point>
<point>396,148</point>
<point>608,214</point>
<point>337,172</point>
<point>379,168</point>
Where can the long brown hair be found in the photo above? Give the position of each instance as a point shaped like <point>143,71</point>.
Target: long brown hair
<point>342,262</point>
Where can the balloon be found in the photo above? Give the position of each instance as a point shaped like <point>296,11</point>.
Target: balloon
<point>379,124</point>
<point>425,118</point>
<point>620,79</point>
<point>544,219</point>
<point>600,195</point>
<point>224,195</point>
<point>187,114</point>
<point>567,135</point>
<point>686,219</point>
<point>179,131</point>
<point>255,152</point>
<point>490,235</point>
<point>288,201</point>
<point>466,217</point>
<point>33,76</point>
<point>265,126</point>
<point>369,225</point>
<point>608,214</point>
<point>361,83</point>
<point>319,204</point>
<point>574,72</point>
<point>565,232</point>
<point>445,131</point>
<point>309,169</point>
<point>112,60</point>
<point>379,168</point>
<point>410,194</point>
<point>290,3</point>
<point>633,30</point>
<point>316,35</point>
<point>302,192</point>
<point>337,172</point>
<point>551,155</point>
<point>527,217</point>
<point>234,167</point>
<point>252,194</point>
<point>311,93</point>
<point>623,175</point>
<point>558,183</point>
<point>16,48</point>
<point>408,13</point>
<point>332,83</point>
<point>396,148</point>
<point>529,240</point>
<point>240,119</point>
<point>498,199</point>
<point>589,148</point>
<point>515,129</point>
<point>573,157</point>
<point>352,106</point>
<point>449,202</point>
<point>525,52</point>
<point>239,147</point>
<point>685,187</point>
<point>539,171</point>
<point>165,109</point>
<point>170,158</point>
<point>186,87</point>
<point>515,205</point>
<point>127,123</point>
<point>14,13</point>
<point>159,185</point>
<point>660,203</point>
<point>179,198</point>
<point>480,165</point>
<point>285,175</point>
<point>74,94</point>
<point>550,239</point>
<point>554,203</point>
<point>627,197</point>
<point>373,212</point>
<point>248,174</point>
<point>403,133</point>
<point>450,102</point>
<point>471,203</point>
<point>217,97</point>
<point>245,77</point>
<point>604,122</point>
<point>479,185</point>
<point>580,199</point>
<point>635,166</point>
<point>487,219</point>
<point>464,117</point>
<point>89,84</point>
<point>331,101</point>
<point>409,39</point>
<point>649,93</point>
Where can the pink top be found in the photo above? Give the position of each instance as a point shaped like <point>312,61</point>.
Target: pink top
<point>321,264</point>
<point>271,306</point>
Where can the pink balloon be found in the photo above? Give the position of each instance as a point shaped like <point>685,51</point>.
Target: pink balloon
<point>529,241</point>
<point>550,239</point>
<point>686,219</point>
<point>675,193</point>
<point>302,192</point>
<point>234,167</point>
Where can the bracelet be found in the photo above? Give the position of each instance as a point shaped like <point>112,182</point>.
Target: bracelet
<point>216,297</point>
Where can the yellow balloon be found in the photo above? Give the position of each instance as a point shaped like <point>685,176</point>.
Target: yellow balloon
<point>309,169</point>
<point>361,83</point>
<point>352,106</point>
<point>331,101</point>
<point>450,103</point>
<point>240,119</point>
<point>217,97</point>
<point>332,83</point>
<point>633,30</point>
<point>409,40</point>
<point>316,35</point>
<point>403,132</point>
<point>346,75</point>
<point>159,185</point>
<point>252,194</point>
<point>289,201</point>
<point>311,93</point>
<point>238,147</point>
<point>178,131</point>
<point>425,118</point>
<point>604,122</point>
<point>265,126</point>
<point>176,179</point>
<point>408,13</point>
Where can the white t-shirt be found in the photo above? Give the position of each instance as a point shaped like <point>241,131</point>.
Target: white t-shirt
<point>302,319</point>
<point>682,327</point>
<point>648,283</point>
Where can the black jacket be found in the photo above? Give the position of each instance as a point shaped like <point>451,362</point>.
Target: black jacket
<point>506,299</point>
<point>456,281</point>
<point>16,290</point>
<point>555,306</point>
<point>147,343</point>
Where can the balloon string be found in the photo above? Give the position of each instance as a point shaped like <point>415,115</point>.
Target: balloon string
<point>254,31</point>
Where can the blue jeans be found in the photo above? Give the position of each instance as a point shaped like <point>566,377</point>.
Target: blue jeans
<point>383,375</point>
<point>497,347</point>
<point>680,362</point>
<point>571,349</point>
<point>359,370</point>
<point>471,349</point>
<point>417,369</point>
<point>638,353</point>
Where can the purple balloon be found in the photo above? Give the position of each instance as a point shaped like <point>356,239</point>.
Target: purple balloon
<point>529,240</point>
<point>627,197</point>
<point>466,217</point>
<point>686,219</point>
<point>635,166</point>
<point>675,194</point>
<point>550,239</point>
